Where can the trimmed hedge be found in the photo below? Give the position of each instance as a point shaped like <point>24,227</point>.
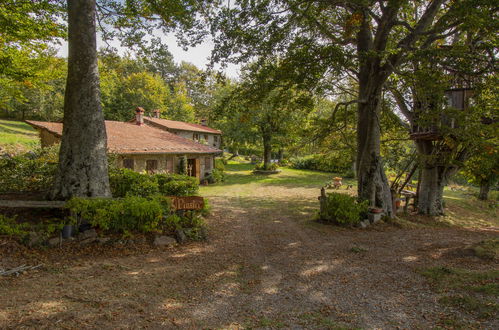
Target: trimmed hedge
<point>125,182</point>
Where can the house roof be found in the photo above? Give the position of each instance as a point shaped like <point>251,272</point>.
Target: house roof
<point>181,126</point>
<point>129,138</point>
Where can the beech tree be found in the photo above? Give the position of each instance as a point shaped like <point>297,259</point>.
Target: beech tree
<point>268,106</point>
<point>82,159</point>
<point>367,40</point>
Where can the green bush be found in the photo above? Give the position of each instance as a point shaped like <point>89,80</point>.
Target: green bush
<point>177,184</point>
<point>125,182</point>
<point>129,214</point>
<point>216,176</point>
<point>342,209</point>
<point>218,173</point>
<point>22,231</point>
<point>9,227</point>
<point>134,214</point>
<point>325,163</point>
<point>220,164</point>
<point>31,171</point>
<point>272,167</point>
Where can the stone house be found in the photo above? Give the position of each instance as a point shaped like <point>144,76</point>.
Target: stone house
<point>143,147</point>
<point>199,133</point>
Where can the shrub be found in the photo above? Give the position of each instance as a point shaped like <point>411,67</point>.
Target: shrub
<point>9,227</point>
<point>125,182</point>
<point>272,167</point>
<point>220,164</point>
<point>218,173</point>
<point>326,163</point>
<point>342,209</point>
<point>135,214</point>
<point>177,184</point>
<point>216,176</point>
<point>22,231</point>
<point>124,215</point>
<point>31,171</point>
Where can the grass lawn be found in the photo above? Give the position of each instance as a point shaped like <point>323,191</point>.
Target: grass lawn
<point>463,209</point>
<point>17,136</point>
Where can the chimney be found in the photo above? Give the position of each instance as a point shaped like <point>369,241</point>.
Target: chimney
<point>204,122</point>
<point>139,116</point>
<point>155,113</point>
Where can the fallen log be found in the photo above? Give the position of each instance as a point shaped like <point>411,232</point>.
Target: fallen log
<point>17,270</point>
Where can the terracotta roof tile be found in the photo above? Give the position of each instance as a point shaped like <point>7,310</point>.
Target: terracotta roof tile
<point>182,126</point>
<point>126,138</point>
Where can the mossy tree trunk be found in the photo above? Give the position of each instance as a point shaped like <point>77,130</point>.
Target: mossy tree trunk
<point>83,169</point>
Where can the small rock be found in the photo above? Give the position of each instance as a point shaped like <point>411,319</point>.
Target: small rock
<point>34,239</point>
<point>103,240</point>
<point>54,241</point>
<point>165,241</point>
<point>364,224</point>
<point>88,240</point>
<point>180,236</point>
<point>91,233</point>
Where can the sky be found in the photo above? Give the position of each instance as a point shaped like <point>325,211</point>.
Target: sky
<point>196,55</point>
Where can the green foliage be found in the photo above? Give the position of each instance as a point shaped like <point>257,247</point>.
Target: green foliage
<point>125,182</point>
<point>137,214</point>
<point>220,164</point>
<point>182,166</point>
<point>10,227</point>
<point>129,214</point>
<point>31,171</point>
<point>217,176</point>
<point>342,209</point>
<point>326,163</point>
<point>177,184</point>
<point>270,167</point>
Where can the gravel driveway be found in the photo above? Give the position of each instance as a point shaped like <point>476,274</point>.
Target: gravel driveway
<point>265,265</point>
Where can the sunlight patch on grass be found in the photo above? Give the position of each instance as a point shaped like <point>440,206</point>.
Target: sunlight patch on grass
<point>16,136</point>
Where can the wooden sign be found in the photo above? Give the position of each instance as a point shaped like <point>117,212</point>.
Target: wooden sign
<point>187,203</point>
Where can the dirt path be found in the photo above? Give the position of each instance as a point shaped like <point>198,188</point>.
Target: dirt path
<point>264,266</point>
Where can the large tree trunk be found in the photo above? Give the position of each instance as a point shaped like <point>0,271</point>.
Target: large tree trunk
<point>372,182</point>
<point>431,190</point>
<point>432,180</point>
<point>484,190</point>
<point>267,150</point>
<point>82,158</point>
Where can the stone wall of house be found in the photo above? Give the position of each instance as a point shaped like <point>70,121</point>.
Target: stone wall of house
<point>213,140</point>
<point>209,138</point>
<point>167,163</point>
<point>48,139</point>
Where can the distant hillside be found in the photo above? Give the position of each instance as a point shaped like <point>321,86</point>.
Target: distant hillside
<point>17,136</point>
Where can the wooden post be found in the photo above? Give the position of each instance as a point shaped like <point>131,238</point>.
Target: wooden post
<point>322,201</point>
